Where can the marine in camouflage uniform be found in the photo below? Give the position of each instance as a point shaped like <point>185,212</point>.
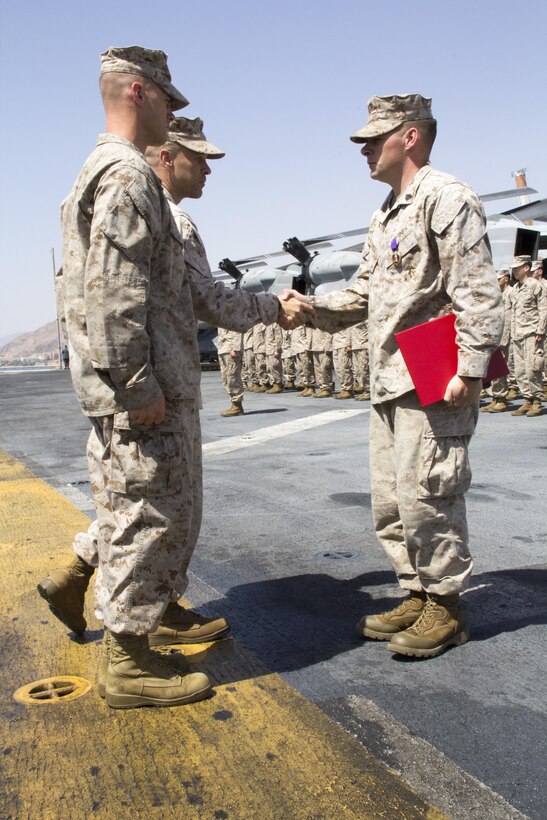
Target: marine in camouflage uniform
<point>529,324</point>
<point>230,355</point>
<point>359,360</point>
<point>301,345</point>
<point>260,376</point>
<point>288,361</point>
<point>426,251</point>
<point>500,386</point>
<point>248,374</point>
<point>273,343</point>
<point>135,343</point>
<point>341,357</point>
<point>321,349</point>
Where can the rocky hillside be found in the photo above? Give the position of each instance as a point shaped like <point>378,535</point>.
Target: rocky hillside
<point>38,343</point>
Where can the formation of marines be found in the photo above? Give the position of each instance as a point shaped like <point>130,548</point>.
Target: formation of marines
<point>306,360</point>
<point>136,279</point>
<point>524,293</point>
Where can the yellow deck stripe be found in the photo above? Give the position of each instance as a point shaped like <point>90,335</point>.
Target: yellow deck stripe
<point>257,749</point>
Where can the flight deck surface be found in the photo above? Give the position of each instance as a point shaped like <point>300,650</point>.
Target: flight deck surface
<point>306,719</point>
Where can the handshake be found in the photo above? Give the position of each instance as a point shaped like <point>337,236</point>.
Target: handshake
<point>295,310</point>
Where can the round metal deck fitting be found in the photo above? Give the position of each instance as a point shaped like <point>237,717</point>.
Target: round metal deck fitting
<point>52,690</point>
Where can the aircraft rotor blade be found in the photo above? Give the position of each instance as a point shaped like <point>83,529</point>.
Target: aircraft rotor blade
<point>511,192</point>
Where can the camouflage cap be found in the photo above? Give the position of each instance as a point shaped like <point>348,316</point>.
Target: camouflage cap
<point>537,264</point>
<point>518,261</point>
<point>387,113</point>
<point>190,134</point>
<point>501,273</point>
<point>146,63</point>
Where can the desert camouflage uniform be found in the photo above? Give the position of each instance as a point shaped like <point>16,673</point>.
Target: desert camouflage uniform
<point>419,462</point>
<point>132,338</point>
<point>301,344</point>
<point>341,357</point>
<point>230,342</point>
<point>273,342</point>
<point>500,386</point>
<point>359,355</point>
<point>248,372</point>
<point>529,319</point>
<point>321,348</point>
<point>288,359</point>
<point>259,350</point>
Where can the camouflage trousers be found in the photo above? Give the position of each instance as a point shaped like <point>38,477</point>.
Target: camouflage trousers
<point>500,386</point>
<point>529,367</point>
<point>420,471</point>
<point>274,368</point>
<point>305,369</point>
<point>322,368</point>
<point>288,364</point>
<point>147,487</point>
<point>260,375</point>
<point>361,375</point>
<point>230,370</point>
<point>248,368</point>
<point>342,366</point>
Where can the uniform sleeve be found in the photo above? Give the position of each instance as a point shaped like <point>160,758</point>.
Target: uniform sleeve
<point>459,230</point>
<point>117,283</point>
<point>339,310</point>
<point>542,311</point>
<point>215,303</point>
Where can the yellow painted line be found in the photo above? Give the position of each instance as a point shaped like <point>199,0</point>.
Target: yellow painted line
<point>257,749</point>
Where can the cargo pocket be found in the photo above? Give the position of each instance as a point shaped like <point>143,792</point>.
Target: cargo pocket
<point>146,465</point>
<point>444,468</point>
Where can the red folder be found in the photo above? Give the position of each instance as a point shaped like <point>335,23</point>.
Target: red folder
<point>431,355</point>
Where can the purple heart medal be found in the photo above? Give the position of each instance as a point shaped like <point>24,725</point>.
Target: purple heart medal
<point>395,255</point>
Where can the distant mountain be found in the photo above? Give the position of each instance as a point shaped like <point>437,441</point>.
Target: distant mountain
<point>40,342</point>
<point>8,337</point>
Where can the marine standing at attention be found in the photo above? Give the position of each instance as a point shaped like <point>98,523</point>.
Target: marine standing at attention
<point>133,344</point>
<point>426,252</point>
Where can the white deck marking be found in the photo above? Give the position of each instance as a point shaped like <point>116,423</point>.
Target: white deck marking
<point>230,445</point>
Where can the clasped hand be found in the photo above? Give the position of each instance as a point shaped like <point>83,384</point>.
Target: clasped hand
<point>296,310</point>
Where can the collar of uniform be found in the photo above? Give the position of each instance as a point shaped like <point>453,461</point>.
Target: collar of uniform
<point>406,196</point>
<point>167,194</point>
<point>104,138</point>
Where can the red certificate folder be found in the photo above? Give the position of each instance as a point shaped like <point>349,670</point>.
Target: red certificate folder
<point>431,355</point>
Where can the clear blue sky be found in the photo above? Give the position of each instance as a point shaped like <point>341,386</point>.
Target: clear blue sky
<point>280,85</point>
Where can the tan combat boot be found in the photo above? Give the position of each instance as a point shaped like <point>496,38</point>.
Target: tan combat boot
<point>307,391</point>
<point>235,409</point>
<point>488,407</point>
<point>440,625</point>
<point>513,394</point>
<point>64,590</point>
<point>138,677</point>
<point>324,393</point>
<point>261,388</point>
<point>176,661</point>
<point>344,394</point>
<point>500,406</point>
<point>364,396</point>
<point>523,410</point>
<point>179,625</point>
<point>535,409</point>
<point>290,385</point>
<point>276,388</point>
<point>383,626</point>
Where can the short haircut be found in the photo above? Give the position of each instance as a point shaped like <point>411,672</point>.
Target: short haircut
<point>427,130</point>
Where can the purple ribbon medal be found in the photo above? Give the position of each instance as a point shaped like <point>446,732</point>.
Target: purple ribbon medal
<point>395,255</point>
